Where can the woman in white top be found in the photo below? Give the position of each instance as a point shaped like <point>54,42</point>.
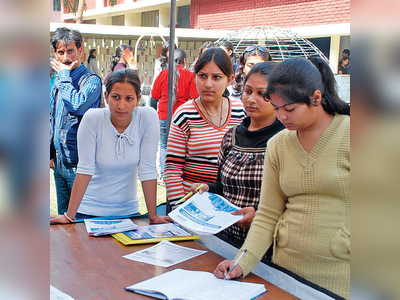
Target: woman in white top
<point>116,145</point>
<point>92,62</point>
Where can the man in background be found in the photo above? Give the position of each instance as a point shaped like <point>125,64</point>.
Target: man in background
<point>346,54</point>
<point>75,90</point>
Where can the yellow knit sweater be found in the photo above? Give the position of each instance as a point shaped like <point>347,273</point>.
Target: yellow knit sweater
<point>305,208</point>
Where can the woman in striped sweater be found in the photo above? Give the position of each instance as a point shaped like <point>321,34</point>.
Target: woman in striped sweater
<point>198,126</point>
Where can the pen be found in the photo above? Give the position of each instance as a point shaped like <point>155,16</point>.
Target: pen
<point>188,195</point>
<point>236,262</point>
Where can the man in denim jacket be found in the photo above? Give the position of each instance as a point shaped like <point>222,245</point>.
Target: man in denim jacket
<point>74,91</point>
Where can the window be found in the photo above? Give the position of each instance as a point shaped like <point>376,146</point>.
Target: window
<point>118,20</point>
<point>150,19</point>
<point>323,44</point>
<point>184,16</point>
<point>91,21</point>
<point>56,5</point>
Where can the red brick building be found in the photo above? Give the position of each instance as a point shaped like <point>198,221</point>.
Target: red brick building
<point>237,14</point>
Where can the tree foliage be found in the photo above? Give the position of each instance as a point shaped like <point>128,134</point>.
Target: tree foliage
<point>78,7</point>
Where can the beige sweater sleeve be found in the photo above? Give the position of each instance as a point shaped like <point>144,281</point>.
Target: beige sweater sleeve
<point>272,205</point>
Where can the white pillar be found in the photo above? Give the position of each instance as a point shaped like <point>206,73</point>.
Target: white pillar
<point>103,21</point>
<point>133,19</point>
<point>164,16</point>
<point>334,54</point>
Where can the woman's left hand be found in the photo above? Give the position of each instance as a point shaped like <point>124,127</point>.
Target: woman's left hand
<point>249,213</point>
<point>160,219</point>
<point>59,219</point>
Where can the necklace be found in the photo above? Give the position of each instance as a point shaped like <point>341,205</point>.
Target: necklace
<point>209,115</point>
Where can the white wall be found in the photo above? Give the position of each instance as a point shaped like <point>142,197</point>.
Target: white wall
<point>55,16</point>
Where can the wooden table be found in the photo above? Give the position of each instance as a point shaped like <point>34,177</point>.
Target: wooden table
<point>93,267</point>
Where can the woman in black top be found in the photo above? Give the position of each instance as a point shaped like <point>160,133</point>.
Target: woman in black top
<point>241,156</point>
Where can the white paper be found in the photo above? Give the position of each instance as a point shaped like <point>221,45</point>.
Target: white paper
<point>102,227</point>
<point>56,294</point>
<point>205,213</point>
<point>196,285</point>
<point>164,254</point>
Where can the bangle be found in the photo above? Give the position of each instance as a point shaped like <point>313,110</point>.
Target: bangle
<point>69,219</point>
<point>151,219</point>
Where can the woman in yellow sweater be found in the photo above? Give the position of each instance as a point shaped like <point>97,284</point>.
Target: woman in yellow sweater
<point>304,208</point>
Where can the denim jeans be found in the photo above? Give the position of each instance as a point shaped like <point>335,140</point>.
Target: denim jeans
<point>64,176</point>
<point>163,145</point>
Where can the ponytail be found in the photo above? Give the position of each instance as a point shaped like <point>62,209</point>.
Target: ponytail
<point>163,58</point>
<point>114,59</point>
<point>330,100</point>
<point>113,62</point>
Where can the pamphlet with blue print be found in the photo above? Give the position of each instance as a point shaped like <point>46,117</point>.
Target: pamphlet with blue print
<point>205,213</point>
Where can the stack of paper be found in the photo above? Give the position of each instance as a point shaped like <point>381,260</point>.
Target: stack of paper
<point>196,285</point>
<point>103,227</point>
<point>205,213</point>
<point>154,233</point>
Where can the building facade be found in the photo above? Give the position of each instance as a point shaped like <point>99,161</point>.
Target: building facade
<point>326,23</point>
<point>55,11</point>
<point>237,14</point>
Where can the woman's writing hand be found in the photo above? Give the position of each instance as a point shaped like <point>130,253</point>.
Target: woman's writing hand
<point>194,187</point>
<point>222,270</point>
<point>249,213</point>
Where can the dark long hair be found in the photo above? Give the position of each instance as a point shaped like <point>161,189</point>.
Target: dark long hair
<point>179,57</point>
<point>164,59</point>
<point>91,55</point>
<point>204,46</point>
<point>124,75</point>
<point>220,58</point>
<point>234,56</point>
<point>114,59</point>
<point>295,80</point>
<point>239,74</point>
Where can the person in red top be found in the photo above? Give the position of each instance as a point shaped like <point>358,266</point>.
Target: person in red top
<point>185,89</point>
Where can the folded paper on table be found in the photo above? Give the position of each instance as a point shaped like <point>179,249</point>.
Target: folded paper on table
<point>104,227</point>
<point>196,285</point>
<point>205,213</point>
<point>164,254</point>
<point>154,234</point>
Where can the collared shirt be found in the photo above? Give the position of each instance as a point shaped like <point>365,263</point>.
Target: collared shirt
<point>76,101</point>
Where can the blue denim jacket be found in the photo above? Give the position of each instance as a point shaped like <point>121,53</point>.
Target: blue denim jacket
<point>69,100</point>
